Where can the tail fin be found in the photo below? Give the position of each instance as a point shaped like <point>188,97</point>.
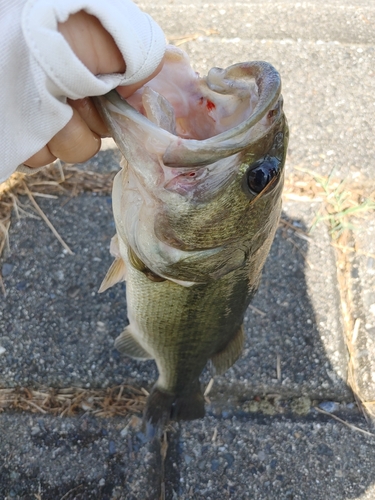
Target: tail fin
<point>188,406</point>
<point>162,406</point>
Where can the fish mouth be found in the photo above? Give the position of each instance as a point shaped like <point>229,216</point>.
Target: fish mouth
<point>178,148</point>
<point>234,140</point>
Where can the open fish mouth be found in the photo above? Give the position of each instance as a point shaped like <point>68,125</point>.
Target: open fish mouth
<point>199,120</point>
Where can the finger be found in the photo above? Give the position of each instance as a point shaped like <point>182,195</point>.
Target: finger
<point>90,115</point>
<point>75,143</point>
<point>41,158</point>
<point>128,90</point>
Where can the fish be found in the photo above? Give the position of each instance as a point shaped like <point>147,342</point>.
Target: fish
<point>196,206</point>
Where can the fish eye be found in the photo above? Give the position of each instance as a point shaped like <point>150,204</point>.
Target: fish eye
<point>260,174</point>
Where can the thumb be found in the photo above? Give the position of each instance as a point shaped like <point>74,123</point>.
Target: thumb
<point>127,90</point>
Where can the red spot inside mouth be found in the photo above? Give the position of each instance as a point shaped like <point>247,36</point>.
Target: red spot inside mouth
<point>191,174</point>
<point>210,105</point>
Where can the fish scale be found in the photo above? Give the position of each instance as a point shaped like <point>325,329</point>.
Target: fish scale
<point>177,316</point>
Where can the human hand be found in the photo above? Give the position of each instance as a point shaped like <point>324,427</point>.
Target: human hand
<point>80,139</point>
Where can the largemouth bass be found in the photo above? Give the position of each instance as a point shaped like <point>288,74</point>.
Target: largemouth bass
<point>196,207</point>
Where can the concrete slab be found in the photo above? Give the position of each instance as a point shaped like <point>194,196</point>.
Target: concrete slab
<point>241,456</point>
<point>269,458</point>
<point>74,458</point>
<point>57,331</point>
<point>344,21</point>
<point>362,283</point>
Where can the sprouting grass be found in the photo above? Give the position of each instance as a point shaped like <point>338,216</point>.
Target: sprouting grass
<point>343,205</point>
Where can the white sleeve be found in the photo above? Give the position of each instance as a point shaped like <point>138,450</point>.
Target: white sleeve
<point>38,69</point>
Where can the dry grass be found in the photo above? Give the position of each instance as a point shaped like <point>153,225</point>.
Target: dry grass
<point>347,424</point>
<point>48,183</point>
<point>122,400</point>
<point>190,37</point>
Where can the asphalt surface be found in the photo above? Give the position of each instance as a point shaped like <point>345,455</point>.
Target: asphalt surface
<point>238,455</point>
<point>263,437</point>
<point>57,330</point>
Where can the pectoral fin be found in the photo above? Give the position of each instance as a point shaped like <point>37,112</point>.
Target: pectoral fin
<point>115,274</point>
<point>128,345</point>
<point>229,355</point>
